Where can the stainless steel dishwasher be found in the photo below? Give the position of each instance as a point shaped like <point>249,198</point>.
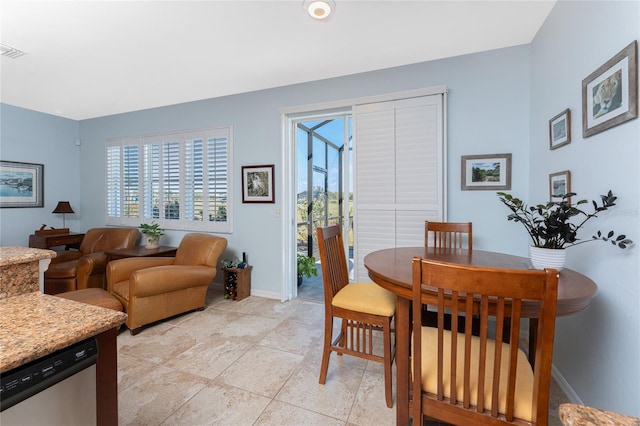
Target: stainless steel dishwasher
<point>58,389</point>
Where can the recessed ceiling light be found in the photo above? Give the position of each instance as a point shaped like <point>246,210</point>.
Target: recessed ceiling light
<point>319,9</point>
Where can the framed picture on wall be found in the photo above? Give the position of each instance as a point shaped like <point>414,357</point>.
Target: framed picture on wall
<point>559,185</point>
<point>560,129</point>
<point>257,184</point>
<point>610,93</point>
<point>21,184</point>
<point>490,171</point>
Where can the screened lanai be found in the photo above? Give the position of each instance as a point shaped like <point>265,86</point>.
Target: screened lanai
<point>324,194</point>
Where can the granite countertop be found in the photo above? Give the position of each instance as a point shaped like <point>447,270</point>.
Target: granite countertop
<point>13,255</point>
<point>579,415</point>
<point>34,325</point>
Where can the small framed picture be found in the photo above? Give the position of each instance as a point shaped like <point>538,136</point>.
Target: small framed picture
<point>559,185</point>
<point>21,184</point>
<point>490,171</point>
<point>257,184</point>
<point>560,129</point>
<point>610,93</point>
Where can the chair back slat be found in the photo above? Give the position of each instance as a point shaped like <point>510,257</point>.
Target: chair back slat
<point>448,234</point>
<point>332,260</point>
<point>494,296</point>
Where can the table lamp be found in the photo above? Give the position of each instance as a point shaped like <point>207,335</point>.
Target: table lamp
<point>63,207</point>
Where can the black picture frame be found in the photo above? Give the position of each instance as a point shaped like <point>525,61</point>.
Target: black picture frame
<point>258,184</point>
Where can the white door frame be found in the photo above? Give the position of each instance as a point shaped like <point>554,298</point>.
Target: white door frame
<point>289,289</point>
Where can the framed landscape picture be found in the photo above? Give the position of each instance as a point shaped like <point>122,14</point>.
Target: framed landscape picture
<point>21,184</point>
<point>559,185</point>
<point>257,184</point>
<point>560,129</point>
<point>610,93</point>
<point>490,171</point>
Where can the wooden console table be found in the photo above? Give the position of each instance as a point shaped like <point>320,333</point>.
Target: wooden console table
<point>141,251</point>
<point>70,240</point>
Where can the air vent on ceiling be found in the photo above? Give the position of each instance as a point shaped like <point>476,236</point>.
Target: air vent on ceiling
<point>11,52</point>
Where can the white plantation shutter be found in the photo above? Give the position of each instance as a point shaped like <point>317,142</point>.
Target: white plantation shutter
<point>131,174</point>
<point>114,183</point>
<point>399,169</point>
<point>181,180</point>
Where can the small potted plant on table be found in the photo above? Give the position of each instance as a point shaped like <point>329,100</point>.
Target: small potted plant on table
<point>152,232</point>
<point>306,267</point>
<point>551,230</point>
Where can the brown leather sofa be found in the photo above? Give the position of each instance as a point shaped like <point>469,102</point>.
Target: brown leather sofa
<point>155,288</point>
<point>74,270</point>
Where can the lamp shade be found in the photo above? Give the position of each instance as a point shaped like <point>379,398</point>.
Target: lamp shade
<point>63,207</point>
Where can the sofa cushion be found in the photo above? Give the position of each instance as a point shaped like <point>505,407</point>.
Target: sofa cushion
<point>62,270</point>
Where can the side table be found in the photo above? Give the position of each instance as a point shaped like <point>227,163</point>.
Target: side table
<point>141,251</point>
<point>70,240</point>
<point>237,282</point>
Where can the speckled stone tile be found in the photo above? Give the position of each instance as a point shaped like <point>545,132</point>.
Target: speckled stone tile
<point>370,402</point>
<point>220,404</point>
<point>212,356</point>
<point>279,413</point>
<point>248,372</point>
<point>292,336</point>
<point>334,399</point>
<point>156,396</point>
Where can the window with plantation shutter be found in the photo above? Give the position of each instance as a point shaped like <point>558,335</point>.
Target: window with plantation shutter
<point>180,180</point>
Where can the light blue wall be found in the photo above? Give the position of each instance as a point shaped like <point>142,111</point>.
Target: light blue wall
<point>597,351</point>
<point>499,101</point>
<point>488,113</point>
<point>32,137</point>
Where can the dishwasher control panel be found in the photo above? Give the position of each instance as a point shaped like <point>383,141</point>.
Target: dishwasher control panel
<point>27,380</point>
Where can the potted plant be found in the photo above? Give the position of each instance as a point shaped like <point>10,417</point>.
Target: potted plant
<point>550,227</point>
<point>152,232</point>
<point>306,267</point>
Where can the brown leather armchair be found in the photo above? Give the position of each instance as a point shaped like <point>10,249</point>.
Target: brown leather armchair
<point>74,270</point>
<point>155,288</point>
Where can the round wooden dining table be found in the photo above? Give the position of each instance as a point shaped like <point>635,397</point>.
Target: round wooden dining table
<point>391,269</point>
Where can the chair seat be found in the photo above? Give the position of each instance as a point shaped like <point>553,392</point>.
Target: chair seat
<point>93,296</point>
<point>368,298</point>
<point>524,375</point>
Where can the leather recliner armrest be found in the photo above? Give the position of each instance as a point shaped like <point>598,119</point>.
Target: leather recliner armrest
<point>90,264</point>
<point>65,256</point>
<point>165,279</point>
<point>121,269</point>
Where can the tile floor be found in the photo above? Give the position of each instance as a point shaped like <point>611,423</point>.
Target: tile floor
<point>252,362</point>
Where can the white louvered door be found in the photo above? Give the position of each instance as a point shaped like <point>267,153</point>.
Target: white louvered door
<point>399,174</point>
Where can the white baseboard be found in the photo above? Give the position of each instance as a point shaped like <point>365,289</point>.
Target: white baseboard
<point>266,294</point>
<point>564,385</point>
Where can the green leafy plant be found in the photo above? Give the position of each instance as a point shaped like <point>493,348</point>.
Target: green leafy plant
<point>152,230</point>
<point>307,266</point>
<point>549,225</point>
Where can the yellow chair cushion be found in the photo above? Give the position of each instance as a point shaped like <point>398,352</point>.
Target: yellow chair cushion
<point>524,375</point>
<point>368,298</point>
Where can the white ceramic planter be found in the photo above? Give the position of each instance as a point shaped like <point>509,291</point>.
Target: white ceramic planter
<point>547,258</point>
<point>152,243</point>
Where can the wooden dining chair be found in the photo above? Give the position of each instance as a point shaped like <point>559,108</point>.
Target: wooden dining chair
<point>491,386</point>
<point>448,234</point>
<point>362,307</point>
<point>454,235</point>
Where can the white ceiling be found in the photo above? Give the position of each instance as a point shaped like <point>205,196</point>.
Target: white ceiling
<point>94,58</point>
